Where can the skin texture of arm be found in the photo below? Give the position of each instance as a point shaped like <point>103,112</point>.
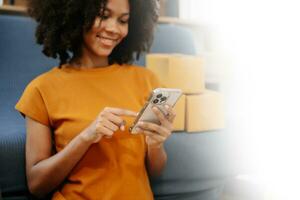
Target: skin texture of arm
<point>156,160</point>
<point>41,164</point>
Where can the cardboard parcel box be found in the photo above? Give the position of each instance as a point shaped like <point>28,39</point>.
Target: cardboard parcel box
<point>178,71</point>
<point>204,112</point>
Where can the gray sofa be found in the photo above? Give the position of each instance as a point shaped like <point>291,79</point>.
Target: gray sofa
<point>196,166</point>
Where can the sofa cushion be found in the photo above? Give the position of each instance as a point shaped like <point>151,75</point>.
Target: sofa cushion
<point>197,164</point>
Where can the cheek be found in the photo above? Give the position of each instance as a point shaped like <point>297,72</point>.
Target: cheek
<point>88,40</point>
<point>97,23</point>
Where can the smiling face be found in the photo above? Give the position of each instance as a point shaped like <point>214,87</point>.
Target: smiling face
<point>108,30</point>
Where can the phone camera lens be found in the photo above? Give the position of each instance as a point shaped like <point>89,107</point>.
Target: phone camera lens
<point>155,101</point>
<point>163,98</point>
<point>159,96</point>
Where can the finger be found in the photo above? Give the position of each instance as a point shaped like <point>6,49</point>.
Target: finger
<point>104,131</point>
<point>118,121</point>
<point>108,124</point>
<point>159,130</point>
<point>157,138</point>
<point>121,112</point>
<point>161,117</point>
<point>114,119</point>
<point>171,113</point>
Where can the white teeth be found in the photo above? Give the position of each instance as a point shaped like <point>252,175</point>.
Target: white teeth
<point>107,41</point>
<point>107,38</point>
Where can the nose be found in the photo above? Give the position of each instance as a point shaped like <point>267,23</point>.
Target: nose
<point>112,26</point>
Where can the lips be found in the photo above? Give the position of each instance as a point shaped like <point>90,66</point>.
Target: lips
<point>107,41</point>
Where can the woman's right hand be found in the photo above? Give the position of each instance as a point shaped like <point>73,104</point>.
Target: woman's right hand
<point>106,124</point>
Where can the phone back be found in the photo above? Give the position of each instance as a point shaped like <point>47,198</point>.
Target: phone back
<point>159,98</point>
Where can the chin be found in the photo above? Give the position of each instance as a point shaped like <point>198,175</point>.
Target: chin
<point>102,53</point>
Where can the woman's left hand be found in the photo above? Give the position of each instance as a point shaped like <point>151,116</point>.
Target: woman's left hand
<point>156,135</point>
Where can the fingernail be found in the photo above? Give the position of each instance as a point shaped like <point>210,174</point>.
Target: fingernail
<point>167,106</point>
<point>122,128</point>
<point>138,129</point>
<point>140,123</point>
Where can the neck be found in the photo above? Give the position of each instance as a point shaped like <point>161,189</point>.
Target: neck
<point>84,63</point>
<point>90,61</point>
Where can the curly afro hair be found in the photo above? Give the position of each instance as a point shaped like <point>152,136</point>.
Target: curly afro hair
<point>61,24</point>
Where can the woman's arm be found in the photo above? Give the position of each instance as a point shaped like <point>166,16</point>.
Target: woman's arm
<point>156,135</point>
<point>156,160</point>
<point>46,171</point>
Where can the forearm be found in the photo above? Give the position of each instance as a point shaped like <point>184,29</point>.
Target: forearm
<point>47,174</point>
<point>156,160</point>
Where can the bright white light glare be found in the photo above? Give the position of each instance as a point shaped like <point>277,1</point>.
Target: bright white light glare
<point>263,39</point>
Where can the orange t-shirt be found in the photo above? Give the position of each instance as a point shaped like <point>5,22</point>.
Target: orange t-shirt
<point>67,100</point>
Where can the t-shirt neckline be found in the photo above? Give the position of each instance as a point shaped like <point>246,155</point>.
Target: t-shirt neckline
<point>68,68</point>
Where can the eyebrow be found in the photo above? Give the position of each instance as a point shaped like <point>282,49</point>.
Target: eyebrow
<point>124,14</point>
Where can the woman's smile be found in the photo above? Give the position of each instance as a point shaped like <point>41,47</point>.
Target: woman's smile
<point>107,41</point>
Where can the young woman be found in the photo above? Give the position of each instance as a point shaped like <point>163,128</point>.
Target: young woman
<point>78,145</point>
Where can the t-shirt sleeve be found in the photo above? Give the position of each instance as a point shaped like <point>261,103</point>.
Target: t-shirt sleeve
<point>32,104</point>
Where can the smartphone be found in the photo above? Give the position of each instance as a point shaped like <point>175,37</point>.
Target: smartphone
<point>159,97</point>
